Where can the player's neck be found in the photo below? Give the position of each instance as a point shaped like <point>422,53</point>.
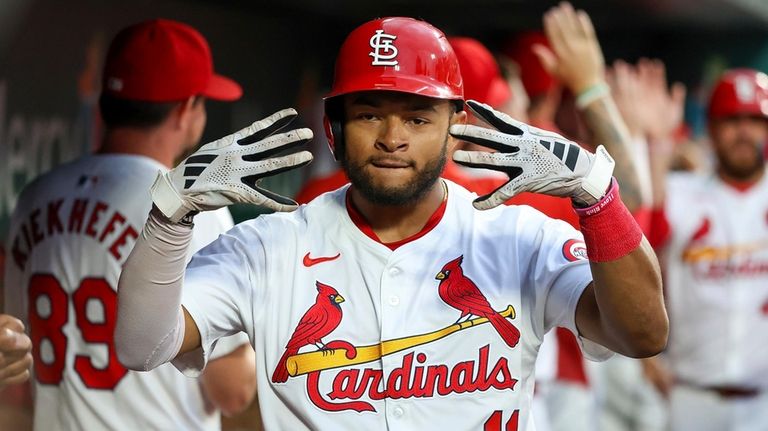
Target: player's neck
<point>154,144</point>
<point>395,223</point>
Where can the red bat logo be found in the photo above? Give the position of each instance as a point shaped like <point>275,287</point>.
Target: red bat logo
<point>461,293</point>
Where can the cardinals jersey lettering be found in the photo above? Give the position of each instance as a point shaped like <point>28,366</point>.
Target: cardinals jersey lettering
<point>717,281</point>
<point>440,333</point>
<point>70,234</point>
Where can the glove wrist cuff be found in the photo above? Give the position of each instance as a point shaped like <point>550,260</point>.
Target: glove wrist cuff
<point>167,199</point>
<point>597,180</point>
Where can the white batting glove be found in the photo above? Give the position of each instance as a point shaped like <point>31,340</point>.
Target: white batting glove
<point>535,160</point>
<point>228,170</point>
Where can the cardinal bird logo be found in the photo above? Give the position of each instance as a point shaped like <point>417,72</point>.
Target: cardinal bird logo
<point>321,319</point>
<point>461,293</point>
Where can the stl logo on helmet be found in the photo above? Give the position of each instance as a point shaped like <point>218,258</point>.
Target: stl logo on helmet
<point>384,50</point>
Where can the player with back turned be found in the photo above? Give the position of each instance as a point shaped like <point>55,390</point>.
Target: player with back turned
<point>403,300</point>
<point>74,227</point>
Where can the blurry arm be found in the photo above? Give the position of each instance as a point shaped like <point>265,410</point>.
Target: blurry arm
<point>658,374</point>
<point>577,60</point>
<point>608,128</point>
<point>230,381</point>
<point>662,115</point>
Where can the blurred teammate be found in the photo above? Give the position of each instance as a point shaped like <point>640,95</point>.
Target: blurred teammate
<point>74,227</point>
<point>399,275</point>
<point>716,259</point>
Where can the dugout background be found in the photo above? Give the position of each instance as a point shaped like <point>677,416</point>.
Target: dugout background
<point>282,52</point>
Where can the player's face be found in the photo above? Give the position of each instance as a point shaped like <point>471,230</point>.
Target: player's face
<point>396,144</point>
<point>738,143</point>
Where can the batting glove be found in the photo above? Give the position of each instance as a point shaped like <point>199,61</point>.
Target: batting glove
<point>535,160</point>
<point>228,170</point>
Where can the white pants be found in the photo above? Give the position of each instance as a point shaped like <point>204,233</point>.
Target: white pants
<point>564,406</point>
<point>626,400</point>
<point>704,410</point>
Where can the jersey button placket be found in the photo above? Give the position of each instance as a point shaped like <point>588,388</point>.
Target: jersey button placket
<point>390,298</point>
<point>389,285</point>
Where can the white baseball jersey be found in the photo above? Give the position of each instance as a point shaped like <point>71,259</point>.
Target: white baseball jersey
<point>440,333</point>
<point>717,281</point>
<point>70,234</point>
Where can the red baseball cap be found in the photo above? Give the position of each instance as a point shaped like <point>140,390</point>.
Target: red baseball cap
<point>481,74</point>
<point>163,61</point>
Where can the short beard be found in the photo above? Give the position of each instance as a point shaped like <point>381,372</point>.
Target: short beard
<point>741,173</point>
<point>395,196</point>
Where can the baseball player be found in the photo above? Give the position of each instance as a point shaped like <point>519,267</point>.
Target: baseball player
<point>73,228</point>
<point>401,301</point>
<point>717,268</point>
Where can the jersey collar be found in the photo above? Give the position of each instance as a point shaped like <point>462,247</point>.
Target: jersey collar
<point>366,228</point>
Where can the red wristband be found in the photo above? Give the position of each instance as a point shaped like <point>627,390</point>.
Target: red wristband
<point>610,232</point>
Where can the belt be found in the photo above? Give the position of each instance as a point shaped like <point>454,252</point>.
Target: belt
<point>727,391</point>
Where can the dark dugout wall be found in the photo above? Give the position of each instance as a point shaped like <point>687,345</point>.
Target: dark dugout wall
<point>51,54</point>
<point>282,52</point>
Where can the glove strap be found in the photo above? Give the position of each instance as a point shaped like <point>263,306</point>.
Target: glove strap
<point>610,232</point>
<point>167,199</point>
<point>598,178</point>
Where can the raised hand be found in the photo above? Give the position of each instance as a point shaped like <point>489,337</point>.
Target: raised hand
<point>576,58</point>
<point>535,160</point>
<point>627,92</point>
<point>228,170</point>
<point>662,106</point>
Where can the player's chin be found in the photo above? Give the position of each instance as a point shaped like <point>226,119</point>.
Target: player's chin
<point>743,166</point>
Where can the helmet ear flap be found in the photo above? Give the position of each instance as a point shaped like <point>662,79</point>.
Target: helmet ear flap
<point>334,130</point>
<point>335,134</point>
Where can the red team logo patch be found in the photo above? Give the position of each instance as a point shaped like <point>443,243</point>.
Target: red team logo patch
<point>575,249</point>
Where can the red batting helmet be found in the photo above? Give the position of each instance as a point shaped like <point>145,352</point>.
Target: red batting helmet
<point>740,92</point>
<point>392,54</point>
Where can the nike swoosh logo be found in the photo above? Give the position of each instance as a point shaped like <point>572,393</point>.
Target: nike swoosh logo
<point>309,261</point>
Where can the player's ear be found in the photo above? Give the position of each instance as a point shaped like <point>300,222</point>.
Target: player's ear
<point>183,113</point>
<point>459,117</point>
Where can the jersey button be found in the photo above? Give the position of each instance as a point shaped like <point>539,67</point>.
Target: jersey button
<point>398,412</point>
<point>394,271</point>
<point>394,300</point>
